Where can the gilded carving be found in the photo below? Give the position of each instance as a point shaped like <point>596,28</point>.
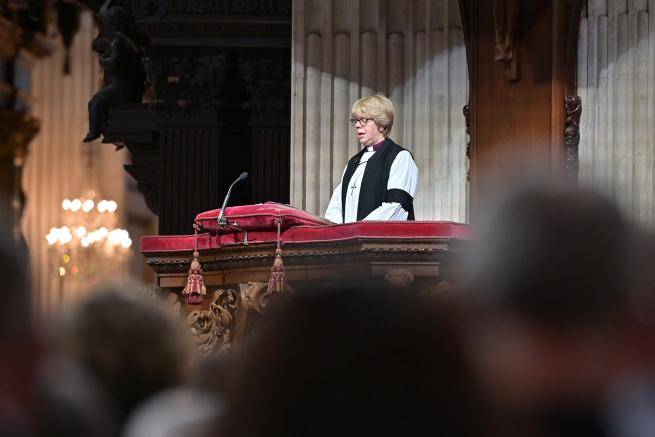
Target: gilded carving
<point>254,296</point>
<point>200,323</point>
<point>213,329</point>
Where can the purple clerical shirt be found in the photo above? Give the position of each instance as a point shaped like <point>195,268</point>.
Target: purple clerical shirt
<point>378,146</point>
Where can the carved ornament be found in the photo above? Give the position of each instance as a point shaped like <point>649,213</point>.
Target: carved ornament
<point>573,105</point>
<point>255,296</point>
<point>506,14</point>
<point>213,329</point>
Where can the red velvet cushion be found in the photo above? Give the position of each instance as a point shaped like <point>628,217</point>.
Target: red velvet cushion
<point>259,217</point>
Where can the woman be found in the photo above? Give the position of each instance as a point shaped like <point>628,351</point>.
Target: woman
<point>379,182</point>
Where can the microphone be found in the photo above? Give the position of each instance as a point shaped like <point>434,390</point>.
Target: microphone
<point>222,220</point>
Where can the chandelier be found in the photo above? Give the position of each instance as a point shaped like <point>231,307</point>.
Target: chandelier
<point>89,244</point>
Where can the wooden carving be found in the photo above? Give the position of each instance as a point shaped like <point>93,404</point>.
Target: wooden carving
<point>467,120</point>
<point>213,329</point>
<point>506,23</point>
<point>573,106</point>
<point>253,296</point>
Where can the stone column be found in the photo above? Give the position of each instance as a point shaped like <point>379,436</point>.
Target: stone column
<point>616,80</point>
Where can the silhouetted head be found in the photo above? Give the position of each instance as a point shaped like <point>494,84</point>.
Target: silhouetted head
<point>553,287</point>
<point>353,361</point>
<point>555,256</point>
<point>129,342</point>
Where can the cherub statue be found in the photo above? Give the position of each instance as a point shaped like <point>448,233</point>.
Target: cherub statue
<point>120,59</point>
<point>506,21</point>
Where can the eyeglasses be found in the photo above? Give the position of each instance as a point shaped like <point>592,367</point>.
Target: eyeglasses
<point>362,121</point>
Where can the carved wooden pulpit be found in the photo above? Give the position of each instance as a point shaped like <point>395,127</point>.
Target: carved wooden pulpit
<point>524,113</point>
<point>414,256</point>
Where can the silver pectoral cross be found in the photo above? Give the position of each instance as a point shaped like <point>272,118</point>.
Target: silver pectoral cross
<point>352,191</point>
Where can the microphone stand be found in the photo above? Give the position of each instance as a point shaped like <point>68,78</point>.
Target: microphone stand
<point>222,219</point>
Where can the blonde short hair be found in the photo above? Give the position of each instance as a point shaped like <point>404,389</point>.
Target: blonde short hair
<point>378,108</point>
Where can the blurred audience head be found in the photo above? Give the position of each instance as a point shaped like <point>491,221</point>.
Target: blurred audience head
<point>353,360</point>
<point>130,343</point>
<point>553,287</point>
<point>214,372</point>
<point>555,256</point>
<point>71,402</point>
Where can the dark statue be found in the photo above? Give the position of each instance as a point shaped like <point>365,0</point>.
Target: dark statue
<point>120,58</point>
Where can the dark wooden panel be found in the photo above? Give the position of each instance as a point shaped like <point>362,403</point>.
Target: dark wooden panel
<point>517,127</point>
<point>191,176</point>
<point>270,164</point>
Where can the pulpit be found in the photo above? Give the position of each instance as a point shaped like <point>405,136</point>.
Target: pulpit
<point>236,261</point>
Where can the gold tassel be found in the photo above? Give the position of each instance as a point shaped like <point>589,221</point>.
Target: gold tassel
<point>195,288</point>
<point>278,280</point>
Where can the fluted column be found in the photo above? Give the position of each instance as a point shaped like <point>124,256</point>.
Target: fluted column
<point>616,78</point>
